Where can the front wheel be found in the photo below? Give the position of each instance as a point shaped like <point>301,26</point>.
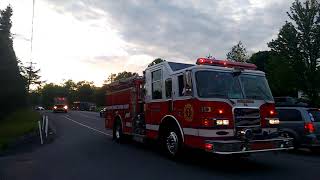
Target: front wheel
<point>172,143</point>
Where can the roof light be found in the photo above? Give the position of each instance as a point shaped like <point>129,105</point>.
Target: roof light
<point>225,63</point>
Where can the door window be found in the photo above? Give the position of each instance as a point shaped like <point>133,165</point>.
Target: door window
<point>289,115</point>
<point>168,85</point>
<point>156,84</point>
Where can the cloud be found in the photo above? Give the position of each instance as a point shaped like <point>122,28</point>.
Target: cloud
<point>89,39</point>
<point>186,29</point>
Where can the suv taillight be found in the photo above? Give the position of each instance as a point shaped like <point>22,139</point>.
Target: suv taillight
<point>309,127</point>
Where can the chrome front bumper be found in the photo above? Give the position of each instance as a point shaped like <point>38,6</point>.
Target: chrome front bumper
<point>252,146</point>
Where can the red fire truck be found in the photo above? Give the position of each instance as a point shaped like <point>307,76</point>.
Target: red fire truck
<point>60,104</point>
<point>219,106</point>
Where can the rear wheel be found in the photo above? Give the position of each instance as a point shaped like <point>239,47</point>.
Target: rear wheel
<point>295,141</point>
<point>117,132</point>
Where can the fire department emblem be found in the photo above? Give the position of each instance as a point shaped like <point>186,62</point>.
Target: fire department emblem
<point>188,112</point>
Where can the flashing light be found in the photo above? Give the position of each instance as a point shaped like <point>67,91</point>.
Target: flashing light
<point>205,122</point>
<point>309,127</point>
<point>225,63</point>
<point>274,121</point>
<point>272,112</point>
<point>222,122</point>
<point>208,147</point>
<point>65,107</point>
<point>220,111</point>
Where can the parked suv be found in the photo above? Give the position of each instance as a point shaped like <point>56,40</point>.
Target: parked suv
<point>302,124</point>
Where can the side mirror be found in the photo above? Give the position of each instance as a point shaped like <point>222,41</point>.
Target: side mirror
<point>187,78</point>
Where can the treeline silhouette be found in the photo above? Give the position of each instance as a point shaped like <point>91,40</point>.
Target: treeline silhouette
<point>12,85</point>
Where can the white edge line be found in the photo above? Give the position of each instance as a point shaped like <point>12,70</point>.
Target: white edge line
<point>88,126</point>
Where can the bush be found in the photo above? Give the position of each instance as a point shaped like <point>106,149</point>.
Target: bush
<point>17,124</point>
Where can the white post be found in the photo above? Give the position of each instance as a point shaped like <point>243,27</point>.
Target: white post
<point>43,119</point>
<point>40,132</point>
<point>47,126</point>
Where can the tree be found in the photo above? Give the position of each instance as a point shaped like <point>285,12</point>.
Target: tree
<point>110,78</point>
<point>12,91</point>
<point>260,59</point>
<point>50,91</point>
<point>32,76</point>
<point>119,76</point>
<point>71,88</point>
<point>156,61</point>
<point>238,53</point>
<point>298,43</point>
<point>100,95</point>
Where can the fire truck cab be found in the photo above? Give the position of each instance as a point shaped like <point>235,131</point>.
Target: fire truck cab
<point>219,106</point>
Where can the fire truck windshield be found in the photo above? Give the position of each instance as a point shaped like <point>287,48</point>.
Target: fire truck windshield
<point>213,84</point>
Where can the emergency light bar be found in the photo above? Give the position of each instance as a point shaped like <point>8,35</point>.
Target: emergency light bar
<point>225,63</point>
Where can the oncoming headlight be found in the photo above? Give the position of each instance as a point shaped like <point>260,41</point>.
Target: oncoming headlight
<point>65,107</point>
<point>54,107</point>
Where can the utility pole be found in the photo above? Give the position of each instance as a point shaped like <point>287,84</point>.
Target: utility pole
<point>29,71</point>
<point>30,68</point>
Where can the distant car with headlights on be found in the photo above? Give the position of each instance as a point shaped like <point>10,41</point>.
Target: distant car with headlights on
<point>103,112</point>
<point>39,108</point>
<point>60,105</point>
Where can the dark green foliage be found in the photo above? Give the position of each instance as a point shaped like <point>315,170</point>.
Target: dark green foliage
<point>238,53</point>
<point>298,43</point>
<point>100,95</point>
<point>260,59</point>
<point>119,76</point>
<point>12,91</point>
<point>85,91</point>
<point>156,61</point>
<point>32,76</point>
<point>50,91</point>
<point>281,78</point>
<point>81,91</point>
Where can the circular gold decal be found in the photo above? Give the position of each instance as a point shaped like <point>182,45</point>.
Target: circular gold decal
<point>188,112</point>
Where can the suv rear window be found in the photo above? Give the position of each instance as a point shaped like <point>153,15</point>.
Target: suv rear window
<point>315,114</point>
<point>289,115</point>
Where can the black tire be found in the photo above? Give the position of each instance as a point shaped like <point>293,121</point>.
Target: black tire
<point>315,150</point>
<point>296,144</point>
<point>171,142</point>
<point>117,132</point>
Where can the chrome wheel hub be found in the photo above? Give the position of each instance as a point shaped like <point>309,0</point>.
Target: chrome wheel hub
<point>118,132</point>
<point>172,143</point>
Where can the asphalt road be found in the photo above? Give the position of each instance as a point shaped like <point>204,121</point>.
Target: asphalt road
<point>83,149</point>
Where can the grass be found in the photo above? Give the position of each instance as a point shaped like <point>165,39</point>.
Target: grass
<point>16,125</point>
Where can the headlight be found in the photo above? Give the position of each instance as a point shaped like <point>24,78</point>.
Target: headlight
<point>222,122</point>
<point>65,107</point>
<point>54,107</point>
<point>274,121</point>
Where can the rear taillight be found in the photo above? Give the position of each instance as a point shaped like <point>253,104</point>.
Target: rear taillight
<point>309,127</point>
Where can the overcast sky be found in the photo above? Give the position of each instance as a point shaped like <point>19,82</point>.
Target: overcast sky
<point>89,39</point>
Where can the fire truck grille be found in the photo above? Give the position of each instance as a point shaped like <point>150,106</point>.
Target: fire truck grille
<point>246,117</point>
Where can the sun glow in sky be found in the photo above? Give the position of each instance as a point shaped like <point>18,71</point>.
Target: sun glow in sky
<point>90,39</point>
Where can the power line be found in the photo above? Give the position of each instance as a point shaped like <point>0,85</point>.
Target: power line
<point>31,39</point>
